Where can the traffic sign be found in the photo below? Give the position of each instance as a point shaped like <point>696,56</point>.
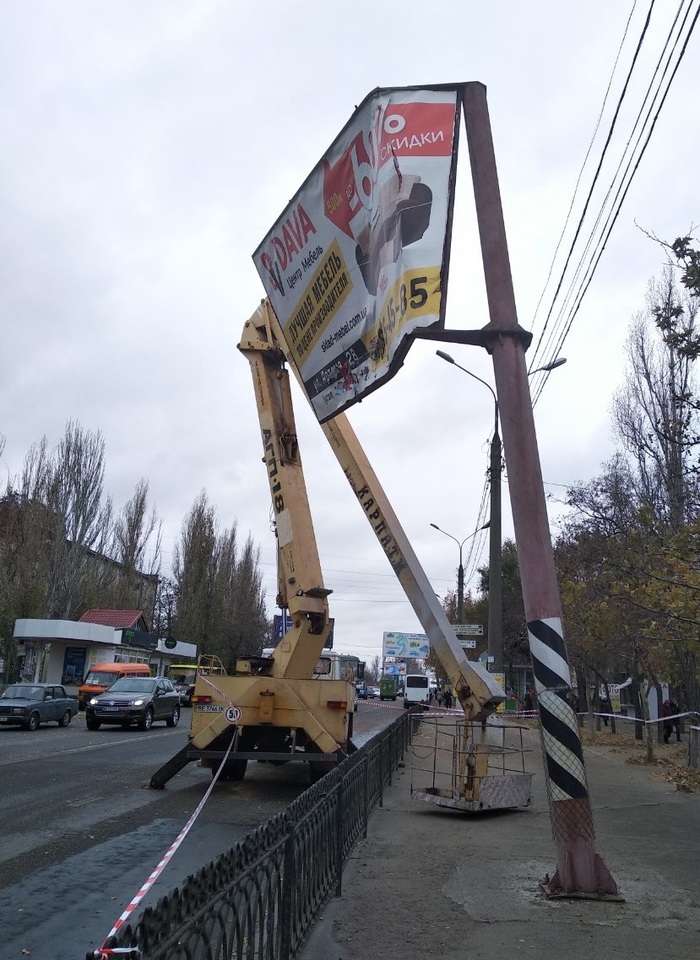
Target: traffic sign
<point>469,629</point>
<point>233,714</point>
<point>468,644</point>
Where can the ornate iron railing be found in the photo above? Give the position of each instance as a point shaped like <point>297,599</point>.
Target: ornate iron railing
<point>261,899</point>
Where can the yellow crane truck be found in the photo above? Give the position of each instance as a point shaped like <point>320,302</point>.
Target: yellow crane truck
<point>272,708</point>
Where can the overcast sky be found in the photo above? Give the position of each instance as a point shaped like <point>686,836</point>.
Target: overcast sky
<point>146,148</point>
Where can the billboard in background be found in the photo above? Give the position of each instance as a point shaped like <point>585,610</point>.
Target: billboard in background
<point>414,646</point>
<point>394,669</point>
<point>358,260</point>
<point>281,625</point>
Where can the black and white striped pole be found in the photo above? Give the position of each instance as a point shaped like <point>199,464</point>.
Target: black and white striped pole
<point>580,869</point>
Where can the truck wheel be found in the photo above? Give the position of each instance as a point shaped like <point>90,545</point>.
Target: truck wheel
<point>233,770</point>
<point>319,768</point>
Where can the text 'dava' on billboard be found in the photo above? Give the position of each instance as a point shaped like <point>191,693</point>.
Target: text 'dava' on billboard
<point>358,260</point>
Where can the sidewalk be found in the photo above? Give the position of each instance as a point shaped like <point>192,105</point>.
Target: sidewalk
<point>431,882</point>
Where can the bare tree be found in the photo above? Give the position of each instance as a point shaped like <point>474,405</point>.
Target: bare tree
<point>193,573</point>
<point>75,516</point>
<point>655,412</point>
<point>133,531</point>
<point>220,602</point>
<point>249,624</point>
<point>77,487</point>
<point>638,517</point>
<point>126,575</point>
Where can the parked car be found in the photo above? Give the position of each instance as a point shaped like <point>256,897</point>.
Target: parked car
<point>361,689</point>
<point>372,692</point>
<point>139,700</point>
<point>29,704</point>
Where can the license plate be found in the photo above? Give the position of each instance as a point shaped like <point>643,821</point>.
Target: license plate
<point>209,707</point>
<point>109,709</point>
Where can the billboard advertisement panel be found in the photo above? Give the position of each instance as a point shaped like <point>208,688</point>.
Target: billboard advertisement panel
<point>358,260</point>
<point>394,669</point>
<point>406,645</point>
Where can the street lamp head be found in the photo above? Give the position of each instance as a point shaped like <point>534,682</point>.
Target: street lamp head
<point>444,356</point>
<point>484,526</point>
<point>552,365</point>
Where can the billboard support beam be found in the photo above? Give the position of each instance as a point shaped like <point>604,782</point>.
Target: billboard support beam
<point>580,869</point>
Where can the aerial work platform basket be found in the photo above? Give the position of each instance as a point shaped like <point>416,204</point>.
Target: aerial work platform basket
<point>470,766</point>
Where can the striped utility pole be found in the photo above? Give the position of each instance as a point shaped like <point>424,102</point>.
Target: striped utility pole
<point>580,869</point>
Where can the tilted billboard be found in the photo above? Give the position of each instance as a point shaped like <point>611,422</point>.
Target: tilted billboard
<point>358,260</point>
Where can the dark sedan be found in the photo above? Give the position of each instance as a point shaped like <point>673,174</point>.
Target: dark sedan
<point>29,704</point>
<point>139,700</point>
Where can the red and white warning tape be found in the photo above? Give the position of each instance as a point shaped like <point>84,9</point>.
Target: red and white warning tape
<point>221,693</point>
<point>104,952</point>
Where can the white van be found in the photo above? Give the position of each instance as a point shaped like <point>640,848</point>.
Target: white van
<point>416,690</point>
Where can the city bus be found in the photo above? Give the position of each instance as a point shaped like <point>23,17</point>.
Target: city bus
<point>416,689</point>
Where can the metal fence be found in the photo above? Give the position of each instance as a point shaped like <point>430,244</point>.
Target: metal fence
<point>261,899</point>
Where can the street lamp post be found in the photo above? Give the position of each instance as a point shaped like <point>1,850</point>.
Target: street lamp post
<point>460,569</point>
<point>495,630</point>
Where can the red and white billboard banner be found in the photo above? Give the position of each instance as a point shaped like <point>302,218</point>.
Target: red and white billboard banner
<point>358,260</point>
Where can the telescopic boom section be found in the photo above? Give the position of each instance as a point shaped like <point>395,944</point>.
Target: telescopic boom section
<point>300,578</point>
<point>477,691</point>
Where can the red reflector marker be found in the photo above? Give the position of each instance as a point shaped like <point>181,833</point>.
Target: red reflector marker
<point>337,704</point>
<point>202,698</point>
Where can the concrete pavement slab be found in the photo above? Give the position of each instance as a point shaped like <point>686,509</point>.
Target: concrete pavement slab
<point>431,882</point>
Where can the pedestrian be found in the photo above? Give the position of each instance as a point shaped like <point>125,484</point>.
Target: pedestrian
<point>447,699</point>
<point>669,711</point>
<point>605,708</point>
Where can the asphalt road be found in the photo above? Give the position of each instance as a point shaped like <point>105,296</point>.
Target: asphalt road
<point>80,832</point>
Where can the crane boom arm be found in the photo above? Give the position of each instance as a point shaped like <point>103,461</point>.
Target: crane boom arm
<point>300,579</point>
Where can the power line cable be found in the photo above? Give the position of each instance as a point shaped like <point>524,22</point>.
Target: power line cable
<point>608,139</point>
<point>564,324</point>
<point>534,362</point>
